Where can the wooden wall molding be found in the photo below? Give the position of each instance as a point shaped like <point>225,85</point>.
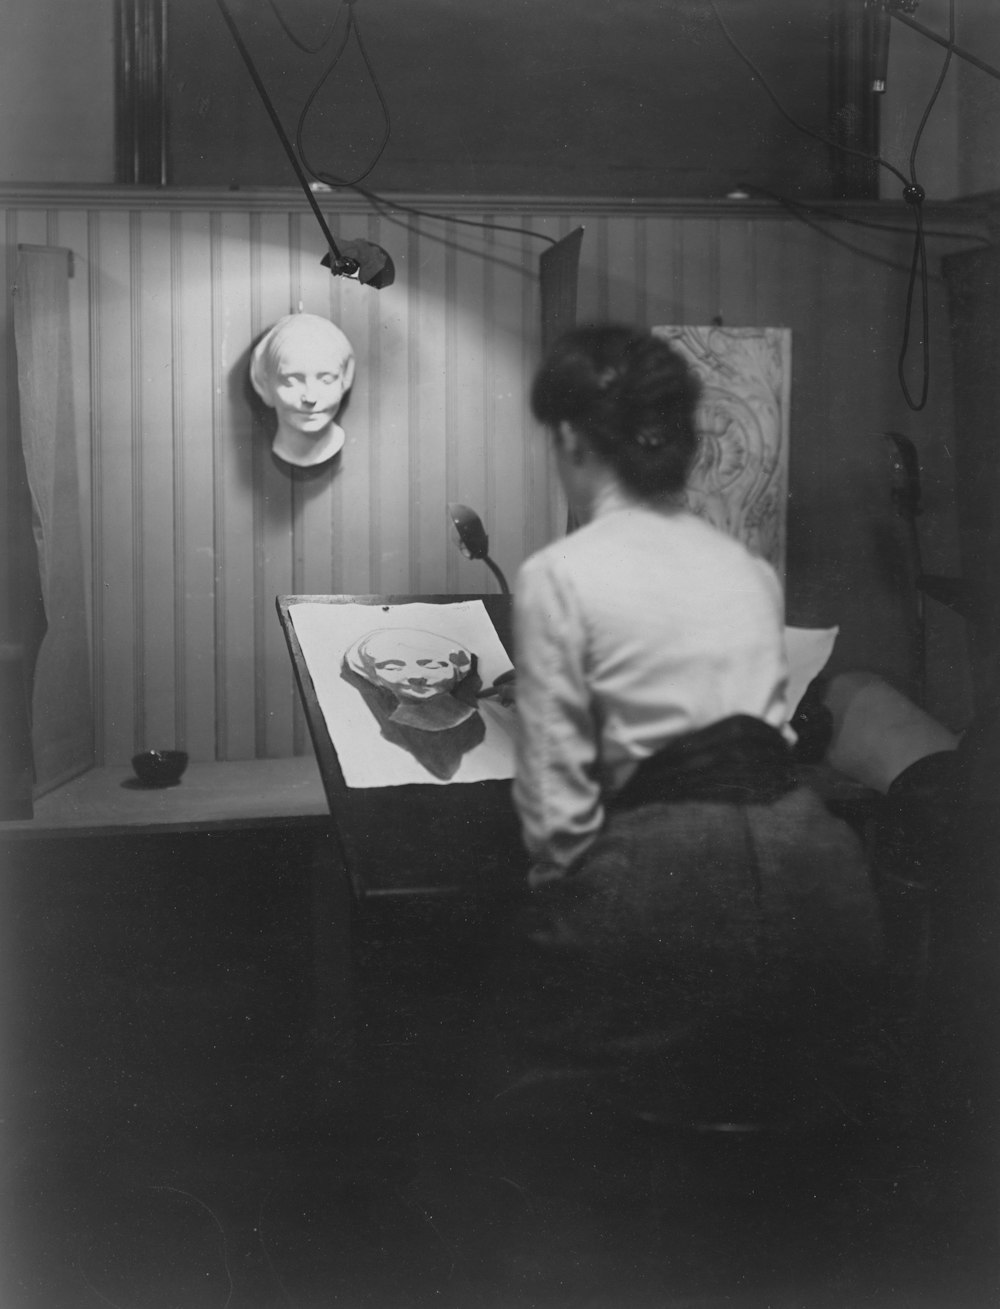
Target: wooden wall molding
<point>974,217</point>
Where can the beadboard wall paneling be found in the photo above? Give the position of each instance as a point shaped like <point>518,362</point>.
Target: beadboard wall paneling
<point>191,528</point>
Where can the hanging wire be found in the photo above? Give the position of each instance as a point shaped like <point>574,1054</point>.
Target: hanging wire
<point>835,216</point>
<point>913,195</point>
<point>391,205</point>
<point>805,214</point>
<point>799,126</point>
<point>967,56</point>
<point>272,113</point>
<point>330,178</point>
<point>301,165</point>
<point>297,41</point>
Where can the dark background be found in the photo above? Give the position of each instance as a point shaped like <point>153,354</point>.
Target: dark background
<point>558,97</point>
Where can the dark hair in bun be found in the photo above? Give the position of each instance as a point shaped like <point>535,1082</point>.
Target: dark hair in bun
<point>631,394</point>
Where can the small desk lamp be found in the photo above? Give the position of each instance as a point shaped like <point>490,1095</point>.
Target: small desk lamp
<point>471,538</point>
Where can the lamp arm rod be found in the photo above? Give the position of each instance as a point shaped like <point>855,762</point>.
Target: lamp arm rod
<point>495,570</point>
<point>942,41</point>
<point>276,121</point>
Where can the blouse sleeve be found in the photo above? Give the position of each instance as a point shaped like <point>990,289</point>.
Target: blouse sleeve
<point>556,786</point>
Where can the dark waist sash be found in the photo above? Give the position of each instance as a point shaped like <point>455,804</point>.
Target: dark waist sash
<point>740,760</point>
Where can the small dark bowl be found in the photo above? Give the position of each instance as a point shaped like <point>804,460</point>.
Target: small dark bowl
<point>159,767</point>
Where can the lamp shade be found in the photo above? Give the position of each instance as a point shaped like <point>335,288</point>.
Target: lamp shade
<point>470,532</point>
<point>362,259</point>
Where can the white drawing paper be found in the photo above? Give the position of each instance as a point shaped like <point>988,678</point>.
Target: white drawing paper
<point>808,650</point>
<point>372,749</point>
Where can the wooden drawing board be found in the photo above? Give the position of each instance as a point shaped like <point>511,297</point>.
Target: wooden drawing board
<point>414,837</point>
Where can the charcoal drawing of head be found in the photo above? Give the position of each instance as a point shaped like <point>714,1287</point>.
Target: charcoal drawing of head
<point>302,368</point>
<point>421,686</point>
<point>420,670</point>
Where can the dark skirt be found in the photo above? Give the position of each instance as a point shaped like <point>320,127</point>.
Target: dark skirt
<point>706,958</point>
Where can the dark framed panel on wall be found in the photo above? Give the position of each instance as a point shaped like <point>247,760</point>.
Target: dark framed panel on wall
<point>854,109</point>
<point>668,108</point>
<point>140,92</point>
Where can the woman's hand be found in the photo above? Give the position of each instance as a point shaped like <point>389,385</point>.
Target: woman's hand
<point>504,688</point>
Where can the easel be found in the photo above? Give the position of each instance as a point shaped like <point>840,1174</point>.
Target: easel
<point>416,838</point>
<point>413,843</point>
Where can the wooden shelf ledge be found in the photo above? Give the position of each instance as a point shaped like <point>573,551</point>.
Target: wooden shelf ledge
<point>245,793</point>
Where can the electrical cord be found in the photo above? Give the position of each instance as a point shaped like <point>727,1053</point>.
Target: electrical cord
<point>330,178</point>
<point>913,195</point>
<point>272,113</point>
<point>354,184</point>
<point>295,40</point>
<point>834,216</point>
<point>804,213</point>
<point>382,203</point>
<point>789,118</point>
<point>300,160</point>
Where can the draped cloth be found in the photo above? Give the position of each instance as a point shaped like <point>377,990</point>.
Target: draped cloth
<point>62,721</point>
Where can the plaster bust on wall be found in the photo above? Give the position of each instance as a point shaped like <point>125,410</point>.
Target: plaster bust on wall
<point>302,368</point>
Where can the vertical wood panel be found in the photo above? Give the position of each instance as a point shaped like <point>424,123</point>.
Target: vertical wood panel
<point>535,529</point>
<point>699,272</point>
<point>468,388</point>
<point>194,527</point>
<point>737,275</point>
<point>624,301</point>
<point>152,351</point>
<point>662,306</point>
<point>507,511</point>
<point>490,383</point>
<point>297,547</point>
<point>313,521</point>
<point>352,507</point>
<point>235,583</point>
<point>274,495</point>
<point>29,227</point>
<point>69,229</point>
<point>335,504</point>
<point>450,362</point>
<point>94,513</point>
<point>950,687</point>
<point>137,450</point>
<point>11,505</point>
<point>390,438</point>
<point>333,564</point>
<point>429,410</point>
<point>414,407</point>
<point>32,227</point>
<point>119,568</point>
<point>641,233</point>
<point>602,306</point>
<point>195,411</point>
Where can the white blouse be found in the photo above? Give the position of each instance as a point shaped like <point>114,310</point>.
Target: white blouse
<point>631,631</point>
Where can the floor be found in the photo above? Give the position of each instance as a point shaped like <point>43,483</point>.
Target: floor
<point>172,1140</point>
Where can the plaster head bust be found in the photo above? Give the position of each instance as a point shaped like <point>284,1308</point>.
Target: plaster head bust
<point>420,670</point>
<point>302,368</point>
